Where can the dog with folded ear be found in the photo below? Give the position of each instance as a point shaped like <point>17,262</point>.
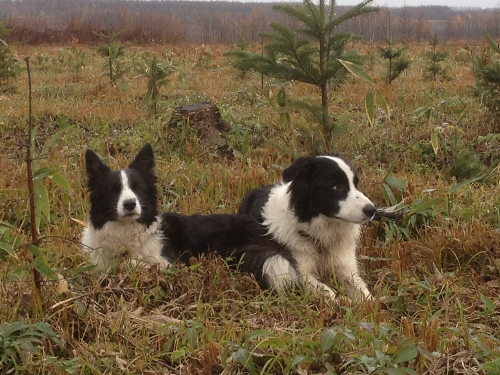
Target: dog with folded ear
<point>316,215</point>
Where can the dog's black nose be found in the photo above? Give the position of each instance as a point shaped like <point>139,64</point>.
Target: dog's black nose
<point>369,210</point>
<point>129,204</point>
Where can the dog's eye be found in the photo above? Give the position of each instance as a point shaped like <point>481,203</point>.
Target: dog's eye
<point>336,187</point>
<point>134,185</point>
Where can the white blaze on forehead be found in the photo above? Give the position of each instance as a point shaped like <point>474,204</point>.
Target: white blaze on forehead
<point>345,168</point>
<point>127,194</point>
<point>351,208</point>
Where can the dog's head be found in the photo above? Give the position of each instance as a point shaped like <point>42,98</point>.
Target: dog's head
<point>122,195</point>
<point>327,185</point>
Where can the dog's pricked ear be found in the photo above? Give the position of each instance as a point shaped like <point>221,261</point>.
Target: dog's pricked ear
<point>299,167</point>
<point>144,162</point>
<point>94,165</point>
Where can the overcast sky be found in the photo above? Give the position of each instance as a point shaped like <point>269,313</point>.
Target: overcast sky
<point>451,3</point>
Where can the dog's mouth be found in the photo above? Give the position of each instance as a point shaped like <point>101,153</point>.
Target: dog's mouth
<point>364,220</point>
<point>129,216</point>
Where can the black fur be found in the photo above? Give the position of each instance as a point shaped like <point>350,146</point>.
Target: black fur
<point>238,238</point>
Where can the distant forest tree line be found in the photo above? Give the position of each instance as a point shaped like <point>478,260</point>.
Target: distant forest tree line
<point>55,21</point>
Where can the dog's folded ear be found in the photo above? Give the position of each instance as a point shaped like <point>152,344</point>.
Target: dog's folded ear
<point>94,165</point>
<point>300,167</point>
<point>144,162</point>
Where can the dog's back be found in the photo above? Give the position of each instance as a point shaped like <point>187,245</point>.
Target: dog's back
<point>253,203</point>
<point>191,236</point>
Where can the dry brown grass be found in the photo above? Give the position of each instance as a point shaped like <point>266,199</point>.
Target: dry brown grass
<point>189,320</point>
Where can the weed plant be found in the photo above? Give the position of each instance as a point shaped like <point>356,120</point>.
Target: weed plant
<point>435,275</point>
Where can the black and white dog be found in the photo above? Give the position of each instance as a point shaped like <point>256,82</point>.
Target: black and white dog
<point>316,214</point>
<point>124,221</point>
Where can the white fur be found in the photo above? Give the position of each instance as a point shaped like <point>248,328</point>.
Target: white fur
<point>116,240</point>
<point>124,238</point>
<point>351,209</point>
<point>279,272</point>
<point>321,246</point>
<point>125,195</point>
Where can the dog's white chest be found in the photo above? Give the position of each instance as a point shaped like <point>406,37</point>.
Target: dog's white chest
<point>118,240</point>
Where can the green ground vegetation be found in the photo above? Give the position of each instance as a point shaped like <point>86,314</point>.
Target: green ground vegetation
<point>435,275</point>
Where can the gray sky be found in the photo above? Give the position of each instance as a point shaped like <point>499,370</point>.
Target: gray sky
<point>451,3</point>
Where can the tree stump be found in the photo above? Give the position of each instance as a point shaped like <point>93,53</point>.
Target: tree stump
<point>206,119</point>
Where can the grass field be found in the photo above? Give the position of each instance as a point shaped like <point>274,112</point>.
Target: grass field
<point>437,272</point>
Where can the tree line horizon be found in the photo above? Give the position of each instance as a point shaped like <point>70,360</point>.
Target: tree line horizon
<point>176,22</point>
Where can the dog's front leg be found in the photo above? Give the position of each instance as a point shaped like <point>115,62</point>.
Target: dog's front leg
<point>346,269</point>
<point>314,284</point>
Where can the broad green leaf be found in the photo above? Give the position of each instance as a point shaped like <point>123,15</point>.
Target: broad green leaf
<point>61,181</point>
<point>258,333</point>
<point>465,183</point>
<point>396,182</point>
<point>425,205</point>
<point>406,351</point>
<point>243,357</point>
<point>281,97</point>
<point>42,204</point>
<point>389,194</point>
<point>383,102</point>
<point>272,342</point>
<point>284,119</point>
<point>7,248</point>
<point>4,225</point>
<point>298,359</point>
<point>370,107</point>
<point>47,272</point>
<point>35,250</point>
<point>491,367</point>
<point>33,138</point>
<point>192,336</point>
<point>490,305</point>
<point>179,353</point>
<point>327,339</point>
<point>245,146</point>
<point>43,172</point>
<point>356,71</point>
<point>47,330</point>
<point>13,327</point>
<point>435,142</point>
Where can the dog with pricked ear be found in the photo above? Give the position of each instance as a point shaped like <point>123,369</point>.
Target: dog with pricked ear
<point>124,222</point>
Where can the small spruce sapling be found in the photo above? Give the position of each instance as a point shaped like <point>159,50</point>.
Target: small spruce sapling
<point>314,53</point>
<point>434,68</point>
<point>156,72</point>
<point>113,53</point>
<point>396,60</point>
